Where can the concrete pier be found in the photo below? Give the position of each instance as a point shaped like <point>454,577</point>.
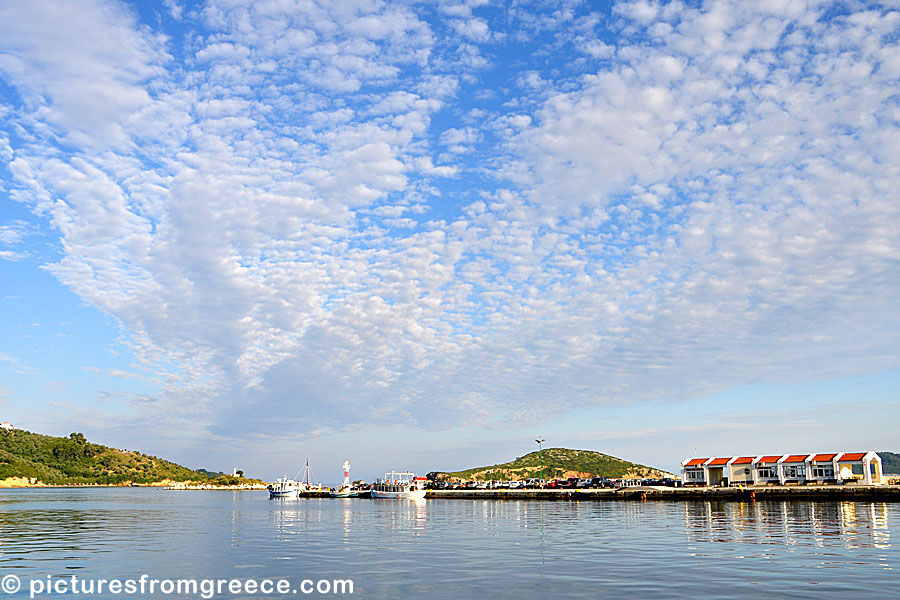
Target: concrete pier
<point>890,493</point>
<point>313,494</point>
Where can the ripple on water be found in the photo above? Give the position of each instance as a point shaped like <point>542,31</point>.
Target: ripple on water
<point>460,548</point>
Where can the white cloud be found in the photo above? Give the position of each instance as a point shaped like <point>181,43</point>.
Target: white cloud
<point>13,233</point>
<point>48,55</point>
<point>267,221</point>
<point>459,137</point>
<point>474,30</point>
<point>640,11</point>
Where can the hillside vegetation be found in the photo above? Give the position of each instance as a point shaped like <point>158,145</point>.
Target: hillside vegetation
<point>890,462</point>
<point>559,463</point>
<point>74,460</point>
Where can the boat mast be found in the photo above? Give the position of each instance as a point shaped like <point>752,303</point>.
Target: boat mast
<point>308,474</point>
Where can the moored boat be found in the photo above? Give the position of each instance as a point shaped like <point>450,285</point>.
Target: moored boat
<point>346,490</point>
<point>306,485</point>
<point>291,488</point>
<point>399,485</point>
<point>283,488</point>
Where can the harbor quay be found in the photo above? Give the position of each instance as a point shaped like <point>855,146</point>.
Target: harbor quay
<point>855,492</point>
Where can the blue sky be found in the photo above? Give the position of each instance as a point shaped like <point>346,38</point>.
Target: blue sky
<point>420,234</point>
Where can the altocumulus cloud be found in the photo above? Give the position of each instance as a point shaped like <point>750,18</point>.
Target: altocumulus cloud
<point>396,212</point>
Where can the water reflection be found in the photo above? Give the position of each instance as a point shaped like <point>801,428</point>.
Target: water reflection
<point>848,524</point>
<point>57,532</point>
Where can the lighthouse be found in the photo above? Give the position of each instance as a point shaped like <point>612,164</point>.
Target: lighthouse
<point>347,473</point>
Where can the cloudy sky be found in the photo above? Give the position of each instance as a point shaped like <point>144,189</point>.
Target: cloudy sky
<point>419,234</point>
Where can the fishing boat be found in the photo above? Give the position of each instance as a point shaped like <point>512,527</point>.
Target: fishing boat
<point>283,488</point>
<point>399,485</point>
<point>306,484</point>
<point>291,488</point>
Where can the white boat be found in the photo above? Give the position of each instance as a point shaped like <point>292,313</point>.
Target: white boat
<point>346,490</point>
<point>283,488</point>
<point>399,485</point>
<point>291,488</point>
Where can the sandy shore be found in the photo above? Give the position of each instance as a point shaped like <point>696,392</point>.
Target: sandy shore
<point>21,482</point>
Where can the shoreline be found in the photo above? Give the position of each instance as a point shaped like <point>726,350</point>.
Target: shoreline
<point>646,493</point>
<point>885,493</point>
<point>13,483</point>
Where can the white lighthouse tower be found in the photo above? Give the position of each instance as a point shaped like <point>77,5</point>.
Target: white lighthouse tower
<point>346,473</point>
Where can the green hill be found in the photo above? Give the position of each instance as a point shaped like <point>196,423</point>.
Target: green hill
<point>559,463</point>
<point>890,462</point>
<point>74,460</point>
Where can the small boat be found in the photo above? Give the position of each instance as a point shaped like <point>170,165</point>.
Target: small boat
<point>306,485</point>
<point>399,485</point>
<point>346,490</point>
<point>283,488</point>
<point>291,488</point>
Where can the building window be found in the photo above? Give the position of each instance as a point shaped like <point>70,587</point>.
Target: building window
<point>823,471</point>
<point>694,474</point>
<point>766,473</point>
<point>795,472</point>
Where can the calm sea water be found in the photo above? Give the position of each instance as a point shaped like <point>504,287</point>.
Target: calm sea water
<point>457,548</point>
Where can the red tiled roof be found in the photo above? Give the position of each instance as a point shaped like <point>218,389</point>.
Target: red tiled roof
<point>852,456</point>
<point>824,457</point>
<point>772,459</point>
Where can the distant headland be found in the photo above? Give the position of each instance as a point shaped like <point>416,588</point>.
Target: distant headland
<point>34,460</point>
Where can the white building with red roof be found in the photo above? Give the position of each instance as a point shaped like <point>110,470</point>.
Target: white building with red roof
<point>784,469</point>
